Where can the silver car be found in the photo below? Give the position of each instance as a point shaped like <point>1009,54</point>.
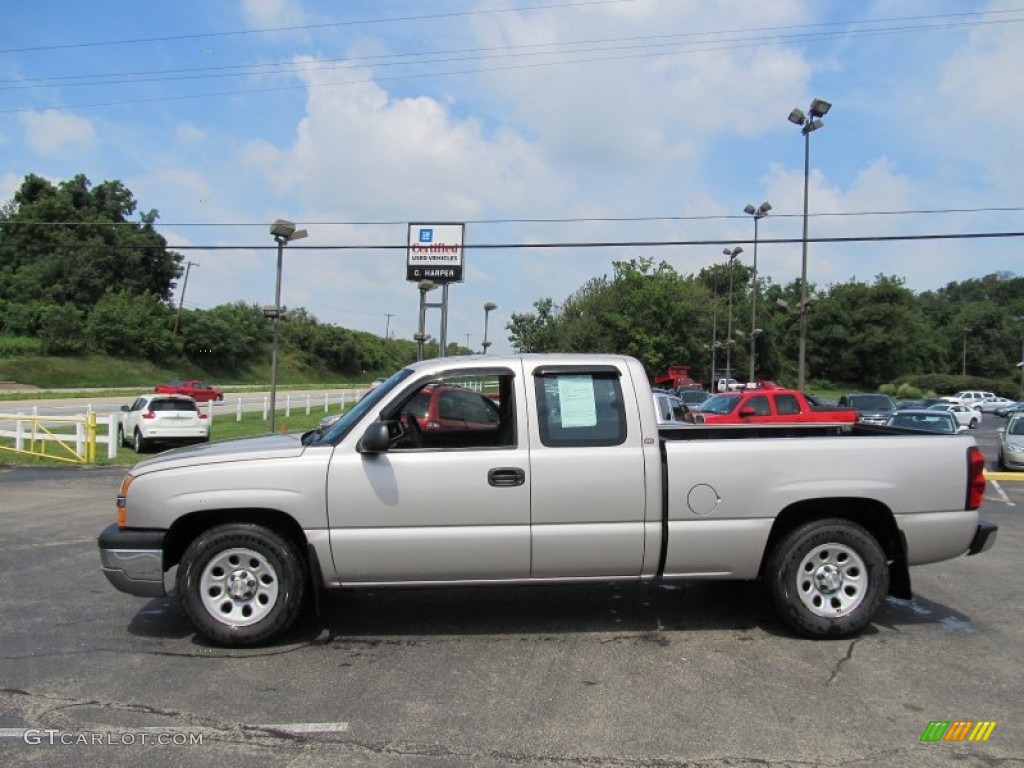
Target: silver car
<point>1011,443</point>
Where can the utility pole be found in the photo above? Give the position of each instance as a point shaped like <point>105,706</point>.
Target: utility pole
<point>387,327</point>
<point>181,299</point>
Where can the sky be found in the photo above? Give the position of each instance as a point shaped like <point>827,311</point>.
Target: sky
<point>633,122</point>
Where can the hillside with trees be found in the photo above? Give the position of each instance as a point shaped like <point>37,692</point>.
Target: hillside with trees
<point>80,277</point>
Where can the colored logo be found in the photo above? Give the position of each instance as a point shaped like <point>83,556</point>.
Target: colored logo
<point>958,730</point>
<point>426,235</point>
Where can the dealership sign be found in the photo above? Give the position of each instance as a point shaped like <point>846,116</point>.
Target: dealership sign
<point>435,252</point>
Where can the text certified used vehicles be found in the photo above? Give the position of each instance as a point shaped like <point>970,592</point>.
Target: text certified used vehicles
<point>166,419</point>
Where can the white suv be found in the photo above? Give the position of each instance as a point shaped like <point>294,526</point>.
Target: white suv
<point>162,419</point>
<point>972,398</point>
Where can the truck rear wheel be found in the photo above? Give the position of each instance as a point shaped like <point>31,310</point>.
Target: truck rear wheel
<point>828,578</point>
<point>241,584</point>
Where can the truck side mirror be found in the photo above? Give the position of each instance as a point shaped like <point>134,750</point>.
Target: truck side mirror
<point>747,412</point>
<point>376,438</point>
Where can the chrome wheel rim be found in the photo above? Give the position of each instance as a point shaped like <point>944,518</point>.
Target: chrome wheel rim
<point>832,580</point>
<point>239,587</point>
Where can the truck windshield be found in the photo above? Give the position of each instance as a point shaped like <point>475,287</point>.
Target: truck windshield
<point>341,427</point>
<point>720,404</point>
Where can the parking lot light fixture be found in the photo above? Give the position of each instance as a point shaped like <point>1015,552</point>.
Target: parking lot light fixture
<point>283,232</point>
<point>732,254</point>
<point>489,307</point>
<point>758,213</point>
<point>808,124</point>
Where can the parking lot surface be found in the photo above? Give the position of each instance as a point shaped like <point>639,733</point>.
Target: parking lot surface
<point>697,674</point>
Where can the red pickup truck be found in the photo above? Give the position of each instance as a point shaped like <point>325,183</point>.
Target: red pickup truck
<point>199,391</point>
<point>769,406</point>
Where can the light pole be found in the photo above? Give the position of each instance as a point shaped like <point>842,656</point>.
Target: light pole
<point>181,301</point>
<point>758,213</point>
<point>728,333</point>
<point>963,358</point>
<point>808,124</point>
<point>1020,319</point>
<point>283,232</point>
<point>489,307</point>
<point>421,336</point>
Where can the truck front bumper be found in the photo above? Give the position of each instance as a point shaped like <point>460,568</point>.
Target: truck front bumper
<point>984,538</point>
<point>133,560</point>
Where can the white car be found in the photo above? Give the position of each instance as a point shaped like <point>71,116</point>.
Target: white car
<point>973,398</point>
<point>162,419</point>
<point>671,410</point>
<point>994,403</point>
<point>965,415</point>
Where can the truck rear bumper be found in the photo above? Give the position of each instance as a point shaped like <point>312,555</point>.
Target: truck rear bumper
<point>984,538</point>
<point>133,561</point>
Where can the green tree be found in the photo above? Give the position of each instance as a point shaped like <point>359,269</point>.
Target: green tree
<point>228,337</point>
<point>126,324</point>
<point>69,243</point>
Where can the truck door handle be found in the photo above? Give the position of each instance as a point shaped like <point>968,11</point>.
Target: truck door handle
<point>506,477</point>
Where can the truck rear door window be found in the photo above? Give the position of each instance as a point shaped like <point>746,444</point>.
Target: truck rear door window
<point>579,409</point>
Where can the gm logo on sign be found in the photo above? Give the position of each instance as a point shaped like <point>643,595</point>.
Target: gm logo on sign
<point>426,235</point>
<point>958,730</point>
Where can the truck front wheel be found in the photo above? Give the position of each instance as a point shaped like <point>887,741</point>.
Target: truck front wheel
<point>241,584</point>
<point>828,578</point>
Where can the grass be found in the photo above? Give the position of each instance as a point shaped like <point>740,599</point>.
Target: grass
<point>224,427</point>
<point>130,374</point>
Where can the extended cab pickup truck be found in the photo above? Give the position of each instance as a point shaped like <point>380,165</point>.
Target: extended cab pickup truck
<point>770,405</point>
<point>573,481</point>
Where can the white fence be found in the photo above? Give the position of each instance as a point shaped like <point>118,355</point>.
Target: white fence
<point>67,426</point>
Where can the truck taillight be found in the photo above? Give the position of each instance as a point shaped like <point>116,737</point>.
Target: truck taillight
<point>975,477</point>
<point>203,415</point>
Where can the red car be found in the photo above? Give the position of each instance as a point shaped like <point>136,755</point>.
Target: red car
<point>447,407</point>
<point>198,390</point>
<point>769,405</point>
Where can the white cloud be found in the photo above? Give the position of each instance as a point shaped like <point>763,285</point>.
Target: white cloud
<point>9,184</point>
<point>268,14</point>
<point>51,131</point>
<point>190,134</point>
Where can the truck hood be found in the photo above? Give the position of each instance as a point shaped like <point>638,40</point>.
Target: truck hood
<point>242,449</point>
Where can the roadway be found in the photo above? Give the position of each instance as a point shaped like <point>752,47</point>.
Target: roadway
<point>673,676</point>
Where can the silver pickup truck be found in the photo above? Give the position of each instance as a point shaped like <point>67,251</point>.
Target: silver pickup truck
<point>540,469</point>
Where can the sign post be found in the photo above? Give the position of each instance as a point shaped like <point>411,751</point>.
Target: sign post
<point>434,255</point>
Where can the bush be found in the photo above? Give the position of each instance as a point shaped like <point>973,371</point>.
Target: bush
<point>20,346</point>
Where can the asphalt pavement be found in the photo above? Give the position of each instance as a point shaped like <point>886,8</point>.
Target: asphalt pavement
<point>697,674</point>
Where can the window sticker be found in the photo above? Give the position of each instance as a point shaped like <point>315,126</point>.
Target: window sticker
<point>576,401</point>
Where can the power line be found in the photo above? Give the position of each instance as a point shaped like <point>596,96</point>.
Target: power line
<point>553,220</point>
<point>300,27</point>
<point>556,245</point>
<point>743,43</point>
<point>290,66</point>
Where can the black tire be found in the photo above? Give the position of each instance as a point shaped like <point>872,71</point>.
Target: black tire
<point>1000,461</point>
<point>241,584</point>
<point>120,436</point>
<point>973,424</point>
<point>828,578</point>
<point>139,443</point>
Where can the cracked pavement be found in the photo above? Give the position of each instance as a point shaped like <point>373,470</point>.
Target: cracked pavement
<point>680,675</point>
